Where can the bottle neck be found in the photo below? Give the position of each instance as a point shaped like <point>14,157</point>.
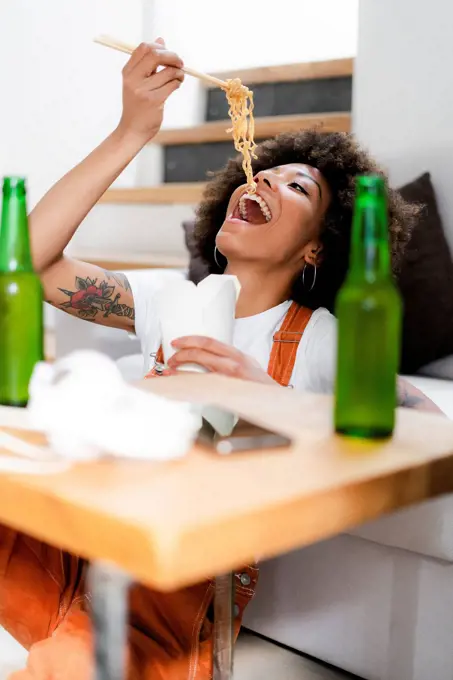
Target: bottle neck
<point>15,252</point>
<point>370,256</point>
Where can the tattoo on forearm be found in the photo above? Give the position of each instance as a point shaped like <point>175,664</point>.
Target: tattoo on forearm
<point>408,400</point>
<point>411,397</point>
<point>92,298</point>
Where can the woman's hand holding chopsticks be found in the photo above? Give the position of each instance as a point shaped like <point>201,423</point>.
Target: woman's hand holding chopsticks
<point>57,216</point>
<point>145,89</point>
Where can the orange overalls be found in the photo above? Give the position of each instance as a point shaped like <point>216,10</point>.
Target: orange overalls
<point>44,606</point>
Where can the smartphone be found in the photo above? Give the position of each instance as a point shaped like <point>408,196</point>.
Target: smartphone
<point>225,432</point>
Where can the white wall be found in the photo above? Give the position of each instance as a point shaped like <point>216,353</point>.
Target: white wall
<point>206,36</point>
<point>231,34</point>
<point>403,100</point>
<point>61,94</point>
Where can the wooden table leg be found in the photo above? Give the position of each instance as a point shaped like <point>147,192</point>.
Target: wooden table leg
<point>109,590</point>
<point>223,643</point>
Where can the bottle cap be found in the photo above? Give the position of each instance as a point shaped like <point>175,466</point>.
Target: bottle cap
<point>14,185</point>
<point>371,184</point>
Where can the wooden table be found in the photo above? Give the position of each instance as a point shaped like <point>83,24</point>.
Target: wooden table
<point>169,525</point>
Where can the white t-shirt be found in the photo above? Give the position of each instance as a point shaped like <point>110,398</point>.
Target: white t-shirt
<point>314,368</point>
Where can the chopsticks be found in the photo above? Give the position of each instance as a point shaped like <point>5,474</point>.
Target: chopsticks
<point>38,460</point>
<point>120,46</point>
<point>22,448</point>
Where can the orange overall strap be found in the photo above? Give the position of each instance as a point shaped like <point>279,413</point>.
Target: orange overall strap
<point>286,343</point>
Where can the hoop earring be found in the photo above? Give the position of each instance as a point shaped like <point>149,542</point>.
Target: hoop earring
<point>216,250</point>
<point>314,277</point>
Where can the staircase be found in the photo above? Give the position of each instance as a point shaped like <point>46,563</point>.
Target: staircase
<point>287,99</point>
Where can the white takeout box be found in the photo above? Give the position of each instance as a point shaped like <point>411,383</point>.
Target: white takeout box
<point>207,309</point>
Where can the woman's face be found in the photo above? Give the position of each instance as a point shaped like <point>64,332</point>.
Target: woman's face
<point>281,226</point>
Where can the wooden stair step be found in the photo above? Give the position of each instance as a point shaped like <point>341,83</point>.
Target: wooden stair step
<point>115,261</point>
<point>175,193</point>
<point>334,68</point>
<point>216,131</point>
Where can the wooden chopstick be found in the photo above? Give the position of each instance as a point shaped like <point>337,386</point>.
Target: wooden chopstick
<point>23,448</point>
<point>120,46</point>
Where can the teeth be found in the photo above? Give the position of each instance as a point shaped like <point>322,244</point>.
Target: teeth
<point>242,208</point>
<point>264,207</point>
<point>261,202</point>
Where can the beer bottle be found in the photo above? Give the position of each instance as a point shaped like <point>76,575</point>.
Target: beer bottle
<point>21,300</point>
<point>368,309</point>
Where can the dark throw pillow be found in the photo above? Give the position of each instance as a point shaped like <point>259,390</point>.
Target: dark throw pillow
<point>426,284</point>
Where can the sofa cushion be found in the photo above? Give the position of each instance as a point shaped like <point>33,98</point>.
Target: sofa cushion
<point>426,284</point>
<point>442,368</point>
<point>426,528</point>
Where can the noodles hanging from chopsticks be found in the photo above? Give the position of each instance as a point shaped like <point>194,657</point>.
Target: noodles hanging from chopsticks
<point>240,100</point>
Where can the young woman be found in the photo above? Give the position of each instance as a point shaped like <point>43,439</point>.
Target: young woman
<point>295,248</point>
<point>289,248</point>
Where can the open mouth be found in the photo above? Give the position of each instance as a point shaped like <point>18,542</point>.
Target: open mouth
<point>253,209</point>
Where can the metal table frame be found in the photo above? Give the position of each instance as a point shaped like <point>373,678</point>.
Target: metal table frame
<point>109,588</point>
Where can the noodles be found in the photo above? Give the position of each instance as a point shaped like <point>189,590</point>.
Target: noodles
<point>240,100</point>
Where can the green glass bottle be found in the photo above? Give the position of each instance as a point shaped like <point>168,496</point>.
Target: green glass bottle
<point>21,298</point>
<point>368,309</point>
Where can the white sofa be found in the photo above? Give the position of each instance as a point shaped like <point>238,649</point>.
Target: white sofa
<point>377,602</point>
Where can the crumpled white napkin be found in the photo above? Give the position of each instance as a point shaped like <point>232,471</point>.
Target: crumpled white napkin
<point>87,410</point>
